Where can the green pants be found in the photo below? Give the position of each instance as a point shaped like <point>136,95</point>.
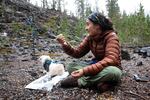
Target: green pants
<point>108,74</point>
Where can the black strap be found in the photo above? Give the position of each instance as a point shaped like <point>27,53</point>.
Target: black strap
<point>46,65</point>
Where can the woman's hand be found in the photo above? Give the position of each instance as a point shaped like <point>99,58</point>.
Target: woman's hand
<point>78,73</point>
<point>61,39</point>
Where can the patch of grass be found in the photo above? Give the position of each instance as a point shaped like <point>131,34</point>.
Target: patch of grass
<point>51,24</point>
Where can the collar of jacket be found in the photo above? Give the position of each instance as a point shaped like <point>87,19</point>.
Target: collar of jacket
<point>100,36</point>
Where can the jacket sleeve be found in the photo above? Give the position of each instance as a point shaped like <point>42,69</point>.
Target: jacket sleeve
<point>111,58</point>
<point>79,51</point>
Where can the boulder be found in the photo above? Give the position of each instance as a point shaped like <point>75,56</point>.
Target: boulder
<point>125,55</point>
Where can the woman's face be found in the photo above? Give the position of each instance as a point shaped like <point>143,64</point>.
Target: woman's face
<point>91,28</point>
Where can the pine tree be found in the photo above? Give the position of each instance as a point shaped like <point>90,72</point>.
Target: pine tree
<point>80,8</point>
<point>88,9</point>
<point>113,9</point>
<point>59,2</point>
<point>114,12</point>
<point>44,4</point>
<point>53,4</point>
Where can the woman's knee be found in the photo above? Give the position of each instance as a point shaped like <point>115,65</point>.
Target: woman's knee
<point>113,72</point>
<point>72,67</point>
<point>116,72</point>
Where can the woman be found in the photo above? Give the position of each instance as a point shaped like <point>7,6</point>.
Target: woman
<point>102,41</point>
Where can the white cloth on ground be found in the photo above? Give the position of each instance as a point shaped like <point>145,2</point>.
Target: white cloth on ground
<point>46,82</point>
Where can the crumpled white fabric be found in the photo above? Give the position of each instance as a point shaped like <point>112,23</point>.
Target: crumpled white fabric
<point>46,82</point>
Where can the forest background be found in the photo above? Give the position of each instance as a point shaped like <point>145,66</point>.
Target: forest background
<point>133,29</point>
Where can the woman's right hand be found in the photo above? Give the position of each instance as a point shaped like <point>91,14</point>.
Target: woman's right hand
<point>61,39</point>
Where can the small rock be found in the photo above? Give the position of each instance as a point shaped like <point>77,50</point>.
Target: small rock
<point>125,55</point>
<point>140,63</point>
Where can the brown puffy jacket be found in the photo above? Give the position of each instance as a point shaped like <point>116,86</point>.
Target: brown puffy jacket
<point>105,48</point>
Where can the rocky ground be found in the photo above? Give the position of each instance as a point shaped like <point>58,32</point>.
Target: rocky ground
<point>19,65</point>
<point>18,68</point>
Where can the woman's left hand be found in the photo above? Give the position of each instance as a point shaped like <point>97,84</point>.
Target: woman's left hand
<point>77,73</point>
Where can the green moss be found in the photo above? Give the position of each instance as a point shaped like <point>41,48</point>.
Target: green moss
<point>20,29</point>
<point>4,41</point>
<point>16,27</point>
<point>51,24</point>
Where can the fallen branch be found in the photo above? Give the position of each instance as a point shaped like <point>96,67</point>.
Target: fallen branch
<point>135,95</point>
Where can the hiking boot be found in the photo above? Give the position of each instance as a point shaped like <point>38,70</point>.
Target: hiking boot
<point>102,87</point>
<point>69,82</point>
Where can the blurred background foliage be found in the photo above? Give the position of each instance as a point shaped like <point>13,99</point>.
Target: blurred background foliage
<point>133,29</point>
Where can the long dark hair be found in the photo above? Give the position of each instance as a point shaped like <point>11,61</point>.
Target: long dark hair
<point>98,18</point>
